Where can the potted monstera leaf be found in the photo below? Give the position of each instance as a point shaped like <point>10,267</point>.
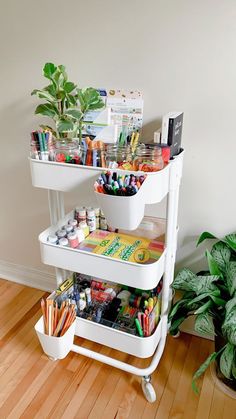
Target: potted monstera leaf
<point>65,103</point>
<point>210,296</point>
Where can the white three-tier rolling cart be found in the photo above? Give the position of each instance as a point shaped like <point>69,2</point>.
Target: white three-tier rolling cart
<point>59,178</point>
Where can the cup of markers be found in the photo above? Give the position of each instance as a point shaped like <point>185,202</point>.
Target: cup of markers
<point>120,185</point>
<point>121,199</point>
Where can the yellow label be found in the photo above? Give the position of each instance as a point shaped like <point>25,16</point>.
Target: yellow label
<point>127,248</point>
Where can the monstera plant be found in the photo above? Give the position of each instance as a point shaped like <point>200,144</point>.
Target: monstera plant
<point>64,102</point>
<point>210,296</point>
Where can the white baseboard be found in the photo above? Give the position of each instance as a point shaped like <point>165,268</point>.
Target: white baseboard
<point>27,276</point>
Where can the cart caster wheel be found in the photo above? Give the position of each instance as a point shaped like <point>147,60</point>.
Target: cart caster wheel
<point>52,359</point>
<point>148,391</point>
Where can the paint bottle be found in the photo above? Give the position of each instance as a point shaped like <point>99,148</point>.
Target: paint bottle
<point>53,239</point>
<point>73,240</point>
<point>83,225</point>
<point>61,233</point>
<point>80,214</point>
<point>80,234</point>
<point>69,229</point>
<point>63,241</point>
<point>103,221</point>
<point>91,219</point>
<point>97,215</point>
<point>72,222</point>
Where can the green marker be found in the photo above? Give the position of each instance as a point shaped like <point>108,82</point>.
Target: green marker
<point>139,329</point>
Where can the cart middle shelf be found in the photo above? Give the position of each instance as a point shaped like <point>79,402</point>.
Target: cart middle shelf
<point>137,275</point>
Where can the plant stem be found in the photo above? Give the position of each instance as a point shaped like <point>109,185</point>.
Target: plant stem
<point>80,130</point>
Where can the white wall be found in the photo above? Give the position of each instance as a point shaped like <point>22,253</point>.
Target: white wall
<point>180,53</point>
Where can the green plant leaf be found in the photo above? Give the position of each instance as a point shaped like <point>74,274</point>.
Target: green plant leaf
<point>48,70</point>
<point>81,98</point>
<point>43,94</point>
<point>174,328</point>
<point>98,105</point>
<point>204,324</point>
<point>229,325</point>
<point>71,100</point>
<point>231,277</point>
<point>64,125</point>
<point>47,109</point>
<point>205,283</point>
<point>179,304</point>
<point>202,369</point>
<point>48,128</point>
<point>226,360</point>
<point>234,368</point>
<point>218,301</point>
<point>69,86</point>
<point>185,280</point>
<point>74,113</point>
<point>205,235</point>
<point>213,267</point>
<point>51,89</point>
<point>200,297</point>
<point>231,240</point>
<point>204,308</point>
<point>221,254</point>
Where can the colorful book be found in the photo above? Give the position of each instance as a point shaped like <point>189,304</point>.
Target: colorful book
<point>123,247</point>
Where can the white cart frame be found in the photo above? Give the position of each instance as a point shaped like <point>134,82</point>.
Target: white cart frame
<point>57,211</point>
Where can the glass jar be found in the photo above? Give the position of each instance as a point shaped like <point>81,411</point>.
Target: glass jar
<point>67,151</point>
<point>119,157</point>
<point>148,158</point>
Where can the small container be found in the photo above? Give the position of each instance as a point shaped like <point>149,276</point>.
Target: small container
<point>80,214</point>
<point>63,241</point>
<point>119,157</point>
<point>91,219</point>
<point>67,151</point>
<point>53,239</point>
<point>61,233</point>
<point>97,215</point>
<point>148,158</point>
<point>84,226</point>
<point>81,304</point>
<point>69,229</point>
<point>88,295</point>
<point>73,223</point>
<point>73,240</point>
<point>103,221</point>
<point>80,234</point>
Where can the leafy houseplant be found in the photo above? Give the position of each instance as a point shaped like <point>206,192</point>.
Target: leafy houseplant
<point>65,103</point>
<point>210,296</point>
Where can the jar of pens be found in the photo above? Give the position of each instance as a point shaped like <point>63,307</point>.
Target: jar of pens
<point>126,154</point>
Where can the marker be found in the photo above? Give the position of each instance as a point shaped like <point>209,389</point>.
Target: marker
<point>139,329</point>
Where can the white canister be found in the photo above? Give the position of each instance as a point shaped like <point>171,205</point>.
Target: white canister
<point>91,219</point>
<point>83,225</point>
<point>80,234</point>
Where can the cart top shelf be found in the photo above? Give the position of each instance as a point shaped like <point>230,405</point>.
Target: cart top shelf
<point>65,177</point>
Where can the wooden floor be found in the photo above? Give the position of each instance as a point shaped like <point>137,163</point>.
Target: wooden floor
<point>32,386</point>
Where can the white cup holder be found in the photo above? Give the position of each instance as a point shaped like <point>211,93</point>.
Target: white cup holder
<point>55,347</point>
<point>125,212</point>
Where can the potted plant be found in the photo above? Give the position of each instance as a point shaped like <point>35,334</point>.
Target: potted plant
<point>65,103</point>
<point>210,296</point>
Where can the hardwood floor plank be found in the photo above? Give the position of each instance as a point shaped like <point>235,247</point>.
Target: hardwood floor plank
<point>173,381</point>
<point>32,386</point>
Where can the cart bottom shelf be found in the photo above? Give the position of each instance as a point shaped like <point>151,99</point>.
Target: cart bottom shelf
<point>142,347</point>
